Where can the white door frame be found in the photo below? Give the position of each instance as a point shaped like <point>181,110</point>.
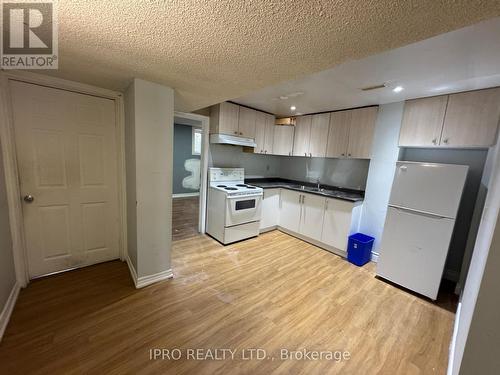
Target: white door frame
<point>205,125</point>
<point>11,167</point>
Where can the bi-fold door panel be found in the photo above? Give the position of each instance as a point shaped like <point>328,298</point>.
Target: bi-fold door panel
<point>67,160</point>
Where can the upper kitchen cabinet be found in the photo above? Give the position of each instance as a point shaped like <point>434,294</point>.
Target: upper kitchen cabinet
<point>319,135</point>
<point>472,119</point>
<point>224,118</point>
<point>311,135</point>
<point>283,139</point>
<point>264,133</point>
<point>423,121</point>
<point>302,136</point>
<point>338,136</point>
<point>351,133</point>
<point>361,132</point>
<point>466,119</point>
<point>246,122</point>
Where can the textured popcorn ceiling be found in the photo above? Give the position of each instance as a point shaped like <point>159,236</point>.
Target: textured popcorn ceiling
<point>210,51</point>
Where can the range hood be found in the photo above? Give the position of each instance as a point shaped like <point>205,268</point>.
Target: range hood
<point>226,139</point>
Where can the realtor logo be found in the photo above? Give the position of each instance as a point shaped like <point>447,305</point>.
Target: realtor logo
<point>29,34</point>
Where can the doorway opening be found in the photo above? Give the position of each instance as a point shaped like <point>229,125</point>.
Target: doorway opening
<point>189,175</point>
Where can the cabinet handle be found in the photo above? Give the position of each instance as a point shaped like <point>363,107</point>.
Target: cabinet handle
<point>289,153</point>
<point>343,154</point>
<point>236,133</point>
<point>310,155</point>
<point>241,133</point>
<point>326,204</point>
<point>305,153</point>
<point>445,141</point>
<point>434,141</point>
<point>348,154</point>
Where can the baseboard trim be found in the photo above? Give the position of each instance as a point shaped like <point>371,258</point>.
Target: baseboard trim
<point>319,244</point>
<point>133,273</point>
<point>186,195</point>
<point>151,279</point>
<point>268,229</point>
<point>8,308</point>
<point>141,282</point>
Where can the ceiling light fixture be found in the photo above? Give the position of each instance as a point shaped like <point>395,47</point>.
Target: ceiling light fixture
<point>293,108</point>
<point>398,89</point>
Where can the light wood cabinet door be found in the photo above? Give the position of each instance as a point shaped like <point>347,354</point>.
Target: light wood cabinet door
<point>260,132</point>
<point>302,136</point>
<point>269,134</point>
<point>337,223</point>
<point>246,122</point>
<point>422,121</point>
<point>283,139</point>
<point>338,134</point>
<point>270,208</point>
<point>313,210</point>
<point>224,118</point>
<point>319,134</point>
<point>290,210</point>
<point>472,119</point>
<point>361,132</point>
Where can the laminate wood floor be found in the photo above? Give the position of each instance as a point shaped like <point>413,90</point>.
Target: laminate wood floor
<point>185,213</point>
<point>272,292</point>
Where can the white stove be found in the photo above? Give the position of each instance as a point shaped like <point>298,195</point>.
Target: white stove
<point>234,207</point>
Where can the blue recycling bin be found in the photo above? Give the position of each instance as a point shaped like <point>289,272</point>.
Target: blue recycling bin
<point>359,249</point>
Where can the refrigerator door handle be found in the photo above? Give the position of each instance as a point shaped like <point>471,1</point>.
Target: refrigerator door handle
<point>417,212</point>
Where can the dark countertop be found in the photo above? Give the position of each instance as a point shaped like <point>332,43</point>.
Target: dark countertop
<point>308,187</point>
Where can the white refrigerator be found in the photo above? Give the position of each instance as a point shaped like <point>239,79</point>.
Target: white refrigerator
<point>420,218</point>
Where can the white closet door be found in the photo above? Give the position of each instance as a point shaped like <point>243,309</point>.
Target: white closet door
<point>67,158</point>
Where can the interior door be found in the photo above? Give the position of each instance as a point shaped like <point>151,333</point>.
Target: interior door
<point>302,136</point>
<point>313,211</point>
<point>290,210</point>
<point>67,159</point>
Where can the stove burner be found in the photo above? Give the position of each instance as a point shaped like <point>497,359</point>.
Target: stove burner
<point>230,188</point>
<point>246,186</point>
<point>241,185</point>
<point>222,186</point>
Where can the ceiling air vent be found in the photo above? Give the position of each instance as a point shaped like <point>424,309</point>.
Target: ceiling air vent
<point>374,87</point>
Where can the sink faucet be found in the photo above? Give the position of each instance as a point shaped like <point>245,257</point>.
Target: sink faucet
<point>318,184</point>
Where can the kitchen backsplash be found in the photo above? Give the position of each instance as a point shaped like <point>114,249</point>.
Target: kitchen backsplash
<point>348,173</point>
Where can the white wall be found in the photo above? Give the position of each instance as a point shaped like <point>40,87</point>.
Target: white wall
<point>381,172</point>
<point>150,140</point>
<point>7,270</point>
<point>477,330</point>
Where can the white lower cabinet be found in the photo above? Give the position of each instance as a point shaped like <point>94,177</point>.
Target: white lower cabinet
<point>337,223</point>
<point>313,211</point>
<point>270,209</point>
<point>326,221</point>
<point>290,210</point>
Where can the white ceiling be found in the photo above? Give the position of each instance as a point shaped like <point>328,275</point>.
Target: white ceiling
<point>211,51</point>
<point>460,60</point>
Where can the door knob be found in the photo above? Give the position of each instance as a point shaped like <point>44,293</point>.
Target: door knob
<point>29,198</point>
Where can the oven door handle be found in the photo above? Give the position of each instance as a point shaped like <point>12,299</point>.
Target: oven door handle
<point>244,196</point>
